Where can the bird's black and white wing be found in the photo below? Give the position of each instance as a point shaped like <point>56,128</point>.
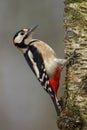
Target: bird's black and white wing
<point>35,61</point>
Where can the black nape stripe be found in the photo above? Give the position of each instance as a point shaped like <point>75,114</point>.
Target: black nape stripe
<point>21,45</point>
<point>35,40</point>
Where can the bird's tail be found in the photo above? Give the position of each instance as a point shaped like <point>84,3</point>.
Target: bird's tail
<point>56,105</point>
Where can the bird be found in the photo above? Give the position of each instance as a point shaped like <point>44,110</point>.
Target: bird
<point>43,62</point>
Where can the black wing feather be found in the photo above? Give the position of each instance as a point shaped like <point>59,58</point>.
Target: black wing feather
<point>43,77</point>
<point>38,60</point>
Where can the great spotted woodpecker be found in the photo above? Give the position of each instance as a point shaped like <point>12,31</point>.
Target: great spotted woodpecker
<point>43,61</point>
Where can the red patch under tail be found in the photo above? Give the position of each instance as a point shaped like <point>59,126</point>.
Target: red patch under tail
<point>55,80</point>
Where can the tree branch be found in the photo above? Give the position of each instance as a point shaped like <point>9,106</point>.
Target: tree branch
<point>74,113</point>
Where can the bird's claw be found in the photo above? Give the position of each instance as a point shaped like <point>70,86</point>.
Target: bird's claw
<point>73,56</point>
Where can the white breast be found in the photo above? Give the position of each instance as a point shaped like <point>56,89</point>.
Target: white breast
<point>51,66</point>
<point>48,55</point>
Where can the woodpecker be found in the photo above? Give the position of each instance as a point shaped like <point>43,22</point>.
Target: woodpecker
<point>43,62</point>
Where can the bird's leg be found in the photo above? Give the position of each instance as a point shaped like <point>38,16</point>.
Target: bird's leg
<point>73,56</point>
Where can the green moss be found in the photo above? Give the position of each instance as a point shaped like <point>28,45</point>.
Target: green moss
<point>74,1</point>
<point>75,17</point>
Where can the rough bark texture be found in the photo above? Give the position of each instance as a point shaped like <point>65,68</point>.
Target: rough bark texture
<point>74,113</point>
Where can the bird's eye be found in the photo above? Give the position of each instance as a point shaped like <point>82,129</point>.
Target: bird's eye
<point>21,33</point>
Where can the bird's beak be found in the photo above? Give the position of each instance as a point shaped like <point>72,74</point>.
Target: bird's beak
<point>32,29</point>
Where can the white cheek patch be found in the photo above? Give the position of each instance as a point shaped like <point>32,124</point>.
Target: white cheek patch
<point>18,39</point>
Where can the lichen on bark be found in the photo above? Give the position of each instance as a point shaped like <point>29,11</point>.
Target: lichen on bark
<point>74,113</point>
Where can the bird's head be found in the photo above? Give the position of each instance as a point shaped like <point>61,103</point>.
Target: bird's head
<point>22,38</point>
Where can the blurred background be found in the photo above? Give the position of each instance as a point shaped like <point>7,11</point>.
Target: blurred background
<point>24,105</point>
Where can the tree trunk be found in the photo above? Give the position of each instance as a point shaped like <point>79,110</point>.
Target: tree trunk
<point>74,113</point>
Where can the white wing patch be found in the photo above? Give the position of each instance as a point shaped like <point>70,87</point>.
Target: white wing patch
<point>34,64</point>
<point>41,79</point>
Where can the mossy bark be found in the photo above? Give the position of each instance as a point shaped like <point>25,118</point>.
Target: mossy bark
<point>74,113</point>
